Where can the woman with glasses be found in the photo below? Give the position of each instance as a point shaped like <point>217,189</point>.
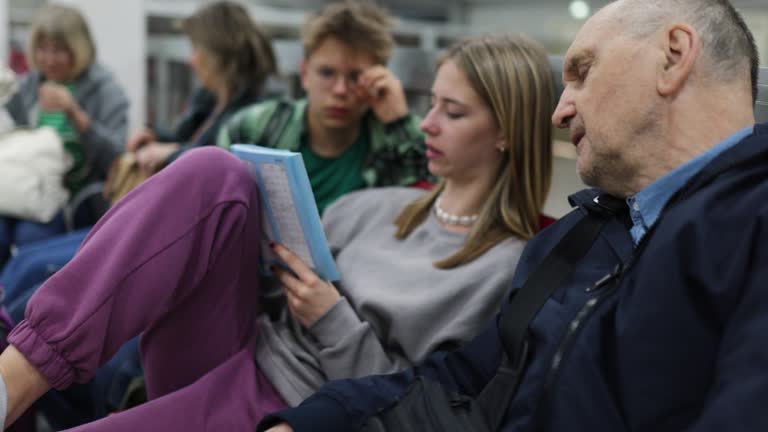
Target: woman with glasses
<point>76,96</point>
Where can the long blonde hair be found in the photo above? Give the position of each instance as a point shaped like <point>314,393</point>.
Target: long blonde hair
<point>513,77</point>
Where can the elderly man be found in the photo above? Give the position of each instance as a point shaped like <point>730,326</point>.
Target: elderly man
<point>653,322</point>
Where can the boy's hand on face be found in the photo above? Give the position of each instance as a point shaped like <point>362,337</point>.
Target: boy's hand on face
<point>383,92</point>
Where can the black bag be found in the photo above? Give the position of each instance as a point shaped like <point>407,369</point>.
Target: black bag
<point>428,406</point>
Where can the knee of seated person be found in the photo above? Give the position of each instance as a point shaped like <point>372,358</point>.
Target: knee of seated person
<point>215,167</point>
<point>210,163</point>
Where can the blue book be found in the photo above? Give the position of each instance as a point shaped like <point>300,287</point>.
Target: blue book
<point>289,213</point>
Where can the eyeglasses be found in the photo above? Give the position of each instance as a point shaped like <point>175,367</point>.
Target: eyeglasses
<point>52,49</point>
<point>329,76</point>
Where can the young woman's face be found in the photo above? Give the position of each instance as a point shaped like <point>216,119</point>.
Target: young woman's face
<point>463,138</point>
<point>204,68</point>
<point>54,60</point>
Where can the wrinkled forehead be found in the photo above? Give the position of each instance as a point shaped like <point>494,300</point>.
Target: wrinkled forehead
<point>602,28</point>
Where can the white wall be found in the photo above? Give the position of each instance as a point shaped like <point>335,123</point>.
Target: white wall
<point>4,30</point>
<point>553,26</point>
<point>758,24</point>
<point>119,30</point>
<point>549,24</point>
<point>565,181</point>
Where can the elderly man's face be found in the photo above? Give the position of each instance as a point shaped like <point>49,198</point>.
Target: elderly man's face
<point>608,103</point>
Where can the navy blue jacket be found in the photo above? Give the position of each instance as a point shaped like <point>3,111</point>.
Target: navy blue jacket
<point>678,345</point>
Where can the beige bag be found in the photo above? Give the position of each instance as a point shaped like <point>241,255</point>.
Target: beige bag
<point>124,176</point>
<point>33,163</point>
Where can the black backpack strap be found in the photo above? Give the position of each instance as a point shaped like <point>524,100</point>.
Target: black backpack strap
<point>525,304</point>
<point>428,406</point>
<point>275,127</point>
<point>559,264</point>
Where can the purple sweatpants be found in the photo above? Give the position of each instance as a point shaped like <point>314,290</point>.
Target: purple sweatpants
<point>175,260</point>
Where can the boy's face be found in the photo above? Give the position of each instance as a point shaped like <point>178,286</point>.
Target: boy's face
<point>329,76</point>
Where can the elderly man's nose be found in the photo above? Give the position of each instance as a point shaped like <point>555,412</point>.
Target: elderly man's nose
<point>564,112</point>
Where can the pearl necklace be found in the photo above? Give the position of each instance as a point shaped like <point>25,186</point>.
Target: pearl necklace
<point>452,219</point>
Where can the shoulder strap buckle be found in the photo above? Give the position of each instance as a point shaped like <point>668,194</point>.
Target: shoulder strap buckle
<point>606,205</point>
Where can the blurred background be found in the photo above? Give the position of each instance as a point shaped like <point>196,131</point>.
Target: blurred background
<point>140,42</point>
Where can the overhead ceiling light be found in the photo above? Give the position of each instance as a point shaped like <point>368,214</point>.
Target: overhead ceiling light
<point>579,9</point>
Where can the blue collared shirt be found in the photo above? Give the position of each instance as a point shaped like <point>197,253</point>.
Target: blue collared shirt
<point>646,205</point>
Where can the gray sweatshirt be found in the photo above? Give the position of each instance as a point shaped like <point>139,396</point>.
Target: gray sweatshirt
<point>396,306</point>
<point>99,95</point>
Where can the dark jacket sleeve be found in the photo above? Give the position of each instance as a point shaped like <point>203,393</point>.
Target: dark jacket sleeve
<point>736,295</point>
<point>345,405</point>
<point>199,106</point>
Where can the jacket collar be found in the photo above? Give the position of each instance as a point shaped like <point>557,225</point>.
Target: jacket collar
<point>584,196</point>
<point>746,150</point>
<point>751,149</point>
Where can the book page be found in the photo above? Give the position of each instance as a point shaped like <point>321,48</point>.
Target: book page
<point>283,215</point>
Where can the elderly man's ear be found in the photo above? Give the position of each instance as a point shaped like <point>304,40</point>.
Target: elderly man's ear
<point>682,46</point>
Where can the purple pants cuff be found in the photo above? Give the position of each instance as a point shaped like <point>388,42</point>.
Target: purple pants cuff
<point>172,261</point>
<point>50,363</point>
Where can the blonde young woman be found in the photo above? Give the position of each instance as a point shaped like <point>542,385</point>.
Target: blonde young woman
<point>419,271</point>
